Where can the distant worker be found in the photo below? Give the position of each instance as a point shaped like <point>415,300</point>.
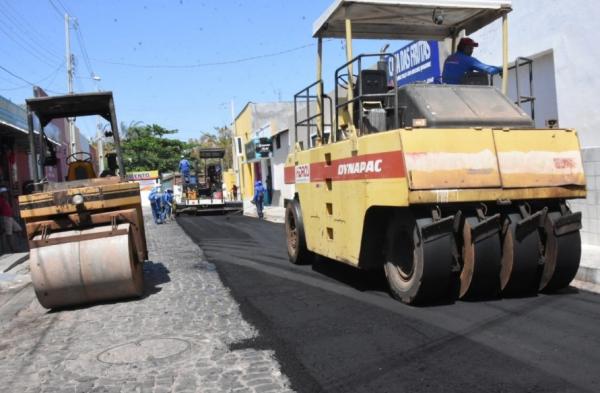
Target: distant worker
<point>461,62</point>
<point>184,169</point>
<point>9,225</point>
<point>234,191</point>
<point>155,202</point>
<point>259,197</point>
<point>167,205</point>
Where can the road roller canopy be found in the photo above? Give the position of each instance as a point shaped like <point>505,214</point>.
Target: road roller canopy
<point>72,105</point>
<point>211,152</point>
<point>408,19</point>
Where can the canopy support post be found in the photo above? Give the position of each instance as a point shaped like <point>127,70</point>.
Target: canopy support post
<point>321,118</point>
<point>350,91</point>
<point>504,54</point>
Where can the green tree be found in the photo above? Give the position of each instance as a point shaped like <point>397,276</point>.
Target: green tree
<point>147,148</point>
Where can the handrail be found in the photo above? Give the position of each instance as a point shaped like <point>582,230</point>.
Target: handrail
<point>307,121</point>
<point>360,97</point>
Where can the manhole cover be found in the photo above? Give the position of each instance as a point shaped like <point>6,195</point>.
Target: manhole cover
<point>144,350</point>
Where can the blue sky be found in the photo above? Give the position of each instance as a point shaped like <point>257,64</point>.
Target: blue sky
<point>164,47</point>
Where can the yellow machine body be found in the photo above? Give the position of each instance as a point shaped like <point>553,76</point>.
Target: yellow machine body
<point>337,184</point>
<point>87,241</point>
<point>449,187</point>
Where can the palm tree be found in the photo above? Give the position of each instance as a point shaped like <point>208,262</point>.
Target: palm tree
<point>125,128</point>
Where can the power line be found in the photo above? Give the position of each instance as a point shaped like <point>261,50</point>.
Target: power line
<point>63,6</point>
<point>27,47</point>
<point>25,80</point>
<point>60,14</point>
<point>21,22</point>
<point>53,74</point>
<point>84,52</point>
<point>200,65</point>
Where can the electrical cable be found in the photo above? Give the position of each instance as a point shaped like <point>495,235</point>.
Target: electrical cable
<point>200,65</point>
<point>63,6</point>
<point>84,52</point>
<point>20,22</point>
<point>25,80</point>
<point>53,74</point>
<point>56,9</point>
<point>27,47</point>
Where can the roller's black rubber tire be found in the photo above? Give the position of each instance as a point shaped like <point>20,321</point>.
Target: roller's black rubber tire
<point>480,275</point>
<point>298,252</point>
<point>418,273</point>
<point>562,255</point>
<point>520,274</point>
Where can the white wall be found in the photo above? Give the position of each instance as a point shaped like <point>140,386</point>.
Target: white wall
<point>544,88</point>
<point>590,207</point>
<point>281,190</point>
<point>569,29</point>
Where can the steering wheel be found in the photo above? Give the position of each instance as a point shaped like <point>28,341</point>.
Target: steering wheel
<point>343,80</point>
<point>72,157</point>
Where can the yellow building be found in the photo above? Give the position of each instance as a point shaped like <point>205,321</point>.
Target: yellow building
<point>254,126</point>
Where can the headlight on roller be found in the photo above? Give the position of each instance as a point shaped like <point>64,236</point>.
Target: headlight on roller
<point>77,199</point>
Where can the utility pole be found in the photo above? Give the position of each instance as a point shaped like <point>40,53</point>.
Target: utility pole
<point>99,132</point>
<point>72,141</point>
<point>235,158</point>
<point>100,145</point>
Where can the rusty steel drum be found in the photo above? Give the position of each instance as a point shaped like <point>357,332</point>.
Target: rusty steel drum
<point>84,266</point>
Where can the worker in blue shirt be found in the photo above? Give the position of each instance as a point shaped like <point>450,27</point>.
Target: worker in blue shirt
<point>184,169</point>
<point>167,205</point>
<point>461,62</point>
<point>259,198</point>
<point>155,198</point>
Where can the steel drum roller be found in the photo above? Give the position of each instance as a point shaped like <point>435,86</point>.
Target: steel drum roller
<point>101,266</point>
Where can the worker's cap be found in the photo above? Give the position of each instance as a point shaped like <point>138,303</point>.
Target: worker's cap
<point>3,189</point>
<point>466,41</point>
<point>170,191</point>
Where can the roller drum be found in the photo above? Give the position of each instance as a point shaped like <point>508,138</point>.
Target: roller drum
<point>85,266</point>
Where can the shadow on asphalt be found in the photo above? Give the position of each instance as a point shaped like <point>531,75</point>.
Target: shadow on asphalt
<point>361,280</point>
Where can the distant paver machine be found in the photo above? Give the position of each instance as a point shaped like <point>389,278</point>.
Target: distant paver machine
<point>86,235</point>
<point>450,188</point>
<point>205,194</point>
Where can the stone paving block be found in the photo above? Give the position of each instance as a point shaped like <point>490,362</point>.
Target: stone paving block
<point>171,339</point>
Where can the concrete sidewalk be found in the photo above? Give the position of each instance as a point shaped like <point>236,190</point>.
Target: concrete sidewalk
<point>588,276</point>
<point>271,213</point>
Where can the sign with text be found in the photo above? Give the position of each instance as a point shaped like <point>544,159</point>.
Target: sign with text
<point>258,148</point>
<point>418,61</point>
<point>145,175</point>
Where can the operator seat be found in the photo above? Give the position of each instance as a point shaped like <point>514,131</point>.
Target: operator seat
<point>80,170</point>
<point>373,109</point>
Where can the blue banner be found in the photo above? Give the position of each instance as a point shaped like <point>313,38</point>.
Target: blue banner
<point>418,61</point>
<point>16,115</point>
<point>13,114</point>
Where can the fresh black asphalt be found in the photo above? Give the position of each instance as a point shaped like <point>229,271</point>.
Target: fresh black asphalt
<point>336,329</point>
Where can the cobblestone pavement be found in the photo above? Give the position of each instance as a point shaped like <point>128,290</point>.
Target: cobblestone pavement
<point>185,335</point>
